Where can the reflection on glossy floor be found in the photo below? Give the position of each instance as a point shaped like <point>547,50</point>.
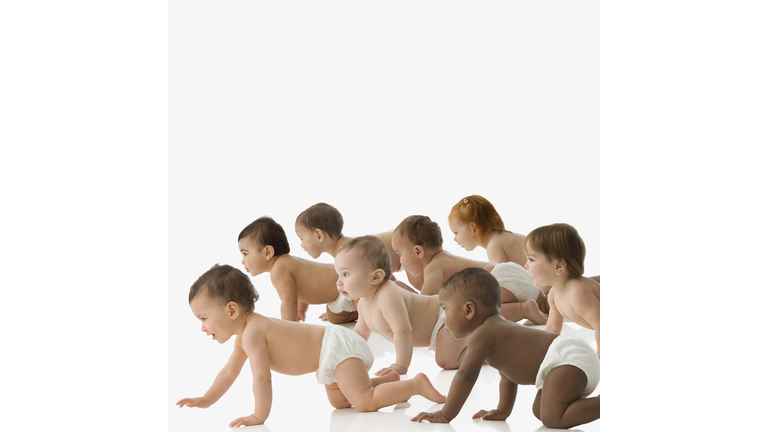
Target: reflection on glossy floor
<point>300,403</point>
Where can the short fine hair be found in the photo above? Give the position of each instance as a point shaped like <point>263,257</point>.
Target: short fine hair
<point>421,230</point>
<point>373,251</point>
<point>225,284</point>
<point>475,284</point>
<point>478,210</point>
<point>560,241</point>
<point>322,216</point>
<point>264,231</point>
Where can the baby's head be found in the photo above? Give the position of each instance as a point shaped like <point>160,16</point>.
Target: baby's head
<point>413,238</point>
<point>220,296</point>
<point>316,223</point>
<point>363,264</point>
<point>259,242</point>
<point>558,242</point>
<point>469,297</point>
<point>473,216</point>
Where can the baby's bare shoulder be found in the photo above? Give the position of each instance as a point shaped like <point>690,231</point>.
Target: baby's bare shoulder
<point>582,287</point>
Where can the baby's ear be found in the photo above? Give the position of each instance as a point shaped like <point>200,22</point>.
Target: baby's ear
<point>233,309</point>
<point>378,276</point>
<point>473,227</point>
<point>268,252</point>
<point>559,267</point>
<point>419,251</point>
<point>469,309</point>
<point>320,235</point>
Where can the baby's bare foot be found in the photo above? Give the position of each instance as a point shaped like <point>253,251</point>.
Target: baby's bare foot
<point>426,389</point>
<point>532,312</point>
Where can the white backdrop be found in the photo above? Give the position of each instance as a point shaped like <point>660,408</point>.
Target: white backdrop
<point>381,110</point>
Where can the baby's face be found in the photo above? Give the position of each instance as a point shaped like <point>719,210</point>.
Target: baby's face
<point>462,234</point>
<point>541,269</point>
<point>309,241</point>
<point>253,259</point>
<point>456,321</point>
<point>215,320</point>
<point>355,279</point>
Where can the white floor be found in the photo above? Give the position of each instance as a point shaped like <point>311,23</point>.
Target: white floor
<point>300,403</point>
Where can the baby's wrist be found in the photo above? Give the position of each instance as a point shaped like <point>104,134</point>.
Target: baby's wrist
<point>399,369</point>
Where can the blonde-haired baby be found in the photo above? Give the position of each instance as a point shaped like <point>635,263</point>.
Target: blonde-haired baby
<point>319,228</point>
<point>555,256</point>
<point>298,282</point>
<point>419,243</point>
<point>404,318</point>
<point>223,300</point>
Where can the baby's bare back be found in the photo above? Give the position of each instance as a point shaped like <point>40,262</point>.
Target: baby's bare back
<point>315,282</point>
<point>517,351</point>
<point>294,348</point>
<point>450,264</point>
<point>422,313</point>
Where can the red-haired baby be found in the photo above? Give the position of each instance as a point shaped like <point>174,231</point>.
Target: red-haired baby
<point>419,243</point>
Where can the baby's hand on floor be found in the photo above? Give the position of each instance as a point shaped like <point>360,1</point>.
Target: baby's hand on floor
<point>301,316</point>
<point>489,415</point>
<point>250,420</point>
<point>197,402</point>
<point>323,317</point>
<point>435,417</point>
<point>392,368</point>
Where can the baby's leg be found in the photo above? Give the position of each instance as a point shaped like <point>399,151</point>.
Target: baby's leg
<point>559,403</point>
<point>358,388</point>
<point>337,398</point>
<point>513,310</point>
<point>340,318</point>
<point>449,351</point>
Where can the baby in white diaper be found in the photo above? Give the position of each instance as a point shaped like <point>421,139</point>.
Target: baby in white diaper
<point>563,368</point>
<point>223,300</point>
<point>404,318</point>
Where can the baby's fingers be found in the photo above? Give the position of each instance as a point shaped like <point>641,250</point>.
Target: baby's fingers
<point>383,372</point>
<point>422,416</point>
<point>480,414</point>
<point>186,402</point>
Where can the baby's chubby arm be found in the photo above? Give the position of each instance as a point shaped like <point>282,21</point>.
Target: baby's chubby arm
<point>507,396</point>
<point>395,313</point>
<point>288,292</point>
<point>555,319</point>
<point>587,305</point>
<point>465,378</point>
<point>433,281</point>
<point>361,327</point>
<point>221,384</point>
<point>255,346</point>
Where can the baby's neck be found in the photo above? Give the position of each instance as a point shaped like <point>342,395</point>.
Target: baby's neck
<point>333,250</point>
<point>487,238</point>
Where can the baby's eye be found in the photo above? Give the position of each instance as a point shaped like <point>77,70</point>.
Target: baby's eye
<point>345,274</point>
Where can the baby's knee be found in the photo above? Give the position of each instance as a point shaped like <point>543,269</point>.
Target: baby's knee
<point>338,404</point>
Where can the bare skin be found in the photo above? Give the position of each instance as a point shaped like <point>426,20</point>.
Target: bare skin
<point>575,298</point>
<point>403,318</point>
<point>497,341</point>
<point>290,348</point>
<point>316,242</point>
<point>298,282</point>
<point>436,265</point>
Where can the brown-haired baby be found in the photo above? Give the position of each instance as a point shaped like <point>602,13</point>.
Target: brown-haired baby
<point>404,318</point>
<point>419,243</point>
<point>565,369</point>
<point>298,282</point>
<point>319,228</point>
<point>223,300</point>
<point>555,255</point>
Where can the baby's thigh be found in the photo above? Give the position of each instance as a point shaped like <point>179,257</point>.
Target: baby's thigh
<point>507,296</point>
<point>563,385</point>
<point>353,380</point>
<point>336,397</point>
